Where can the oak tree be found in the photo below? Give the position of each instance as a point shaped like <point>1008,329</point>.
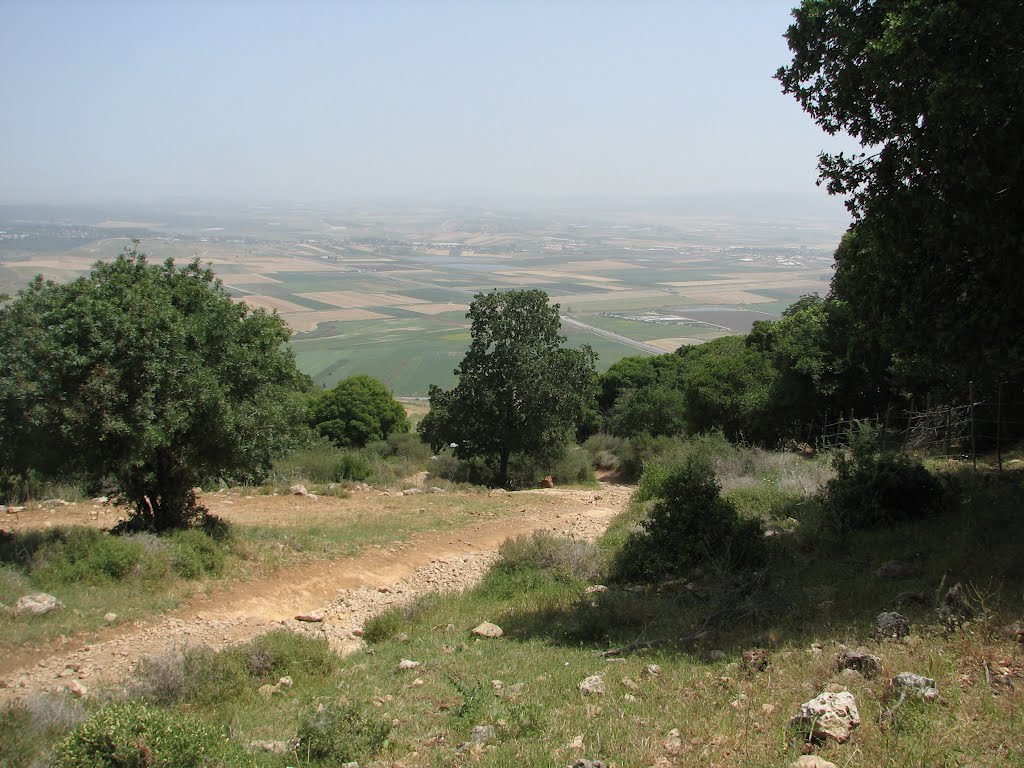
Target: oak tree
<point>520,392</point>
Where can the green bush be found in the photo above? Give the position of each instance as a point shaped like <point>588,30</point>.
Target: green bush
<point>573,468</point>
<point>339,733</point>
<point>28,728</point>
<point>603,450</point>
<point>321,462</point>
<point>872,490</point>
<point>133,735</point>
<point>689,525</point>
<point>282,652</point>
<point>198,674</point>
<point>84,555</point>
<point>384,625</point>
<point>195,554</point>
<point>566,559</point>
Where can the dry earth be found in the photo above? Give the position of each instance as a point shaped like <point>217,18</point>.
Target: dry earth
<point>347,591</point>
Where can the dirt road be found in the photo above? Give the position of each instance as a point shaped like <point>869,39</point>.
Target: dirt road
<point>346,591</point>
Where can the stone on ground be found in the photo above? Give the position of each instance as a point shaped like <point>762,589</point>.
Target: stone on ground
<point>828,716</point>
<point>487,629</point>
<point>860,660</point>
<point>36,604</point>
<point>811,761</point>
<point>908,683</point>
<point>593,685</point>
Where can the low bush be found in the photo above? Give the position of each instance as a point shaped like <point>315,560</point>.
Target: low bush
<point>195,554</point>
<point>196,675</point>
<point>321,462</point>
<point>566,559</point>
<point>340,732</point>
<point>384,625</point>
<point>28,726</point>
<point>281,652</point>
<point>603,450</point>
<point>133,735</point>
<point>689,524</point>
<point>84,555</point>
<point>872,490</point>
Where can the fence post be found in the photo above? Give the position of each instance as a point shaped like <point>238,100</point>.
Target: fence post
<point>974,453</point>
<point>949,427</point>
<point>999,426</point>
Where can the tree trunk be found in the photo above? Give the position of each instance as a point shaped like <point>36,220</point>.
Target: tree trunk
<point>503,469</point>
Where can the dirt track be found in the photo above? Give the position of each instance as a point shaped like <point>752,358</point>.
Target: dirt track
<point>348,591</point>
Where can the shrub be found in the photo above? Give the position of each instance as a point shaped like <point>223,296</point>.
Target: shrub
<point>573,468</point>
<point>198,674</point>
<point>282,652</point>
<point>872,490</point>
<point>338,733</point>
<point>29,725</point>
<point>196,554</point>
<point>566,559</point>
<point>84,555</point>
<point>133,735</point>
<point>689,524</point>
<point>603,450</point>
<point>321,462</point>
<point>384,625</point>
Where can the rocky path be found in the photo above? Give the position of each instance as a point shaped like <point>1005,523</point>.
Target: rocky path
<point>345,593</point>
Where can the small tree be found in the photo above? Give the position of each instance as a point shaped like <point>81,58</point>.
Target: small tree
<point>357,411</point>
<point>520,392</point>
<point>149,378</point>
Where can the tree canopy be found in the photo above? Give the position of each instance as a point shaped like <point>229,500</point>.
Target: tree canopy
<point>934,92</point>
<point>519,391</point>
<point>358,410</point>
<point>147,378</point>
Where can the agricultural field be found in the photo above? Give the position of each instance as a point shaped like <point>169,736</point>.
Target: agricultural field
<point>385,291</point>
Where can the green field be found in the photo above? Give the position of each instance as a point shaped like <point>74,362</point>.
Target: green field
<point>388,296</point>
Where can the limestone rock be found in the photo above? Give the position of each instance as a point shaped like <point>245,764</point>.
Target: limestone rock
<point>312,616</point>
<point>860,660</point>
<point>412,491</point>
<point>75,688</point>
<point>110,618</point>
<point>828,716</point>
<point>482,734</point>
<point>811,761</point>
<point>487,629</point>
<point>893,571</point>
<point>593,685</point>
<point>408,664</point>
<point>653,670</point>
<point>956,608</point>
<point>298,490</point>
<point>673,742</point>
<point>272,747</point>
<point>908,683</point>
<point>892,624</point>
<point>36,604</point>
<point>594,589</point>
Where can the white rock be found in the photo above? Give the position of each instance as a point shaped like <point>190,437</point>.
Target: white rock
<point>910,683</point>
<point>36,604</point>
<point>298,490</point>
<point>408,664</point>
<point>593,685</point>
<point>829,715</point>
<point>75,688</point>
<point>110,617</point>
<point>812,761</point>
<point>673,741</point>
<point>487,629</point>
<point>594,589</point>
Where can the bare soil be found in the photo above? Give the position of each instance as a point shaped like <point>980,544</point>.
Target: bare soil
<point>347,591</point>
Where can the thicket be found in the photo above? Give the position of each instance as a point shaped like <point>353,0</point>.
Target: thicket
<point>688,525</point>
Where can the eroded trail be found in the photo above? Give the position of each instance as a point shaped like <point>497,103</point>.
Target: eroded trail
<point>347,592</point>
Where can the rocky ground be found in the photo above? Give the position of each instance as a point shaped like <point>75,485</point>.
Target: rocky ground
<point>338,596</point>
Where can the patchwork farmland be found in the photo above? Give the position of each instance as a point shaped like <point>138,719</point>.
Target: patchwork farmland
<point>385,292</point>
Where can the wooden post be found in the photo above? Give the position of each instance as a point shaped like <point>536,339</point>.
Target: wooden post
<point>974,453</point>
<point>999,426</point>
<point>949,427</point>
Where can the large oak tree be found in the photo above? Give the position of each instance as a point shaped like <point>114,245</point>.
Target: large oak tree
<point>520,391</point>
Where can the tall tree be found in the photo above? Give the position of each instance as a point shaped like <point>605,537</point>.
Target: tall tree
<point>934,92</point>
<point>147,377</point>
<point>520,392</point>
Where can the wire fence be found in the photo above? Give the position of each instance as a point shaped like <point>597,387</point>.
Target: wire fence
<point>960,430</point>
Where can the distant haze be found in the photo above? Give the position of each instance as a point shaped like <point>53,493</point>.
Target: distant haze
<point>176,102</point>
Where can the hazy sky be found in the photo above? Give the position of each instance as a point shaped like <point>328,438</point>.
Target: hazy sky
<point>324,101</point>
